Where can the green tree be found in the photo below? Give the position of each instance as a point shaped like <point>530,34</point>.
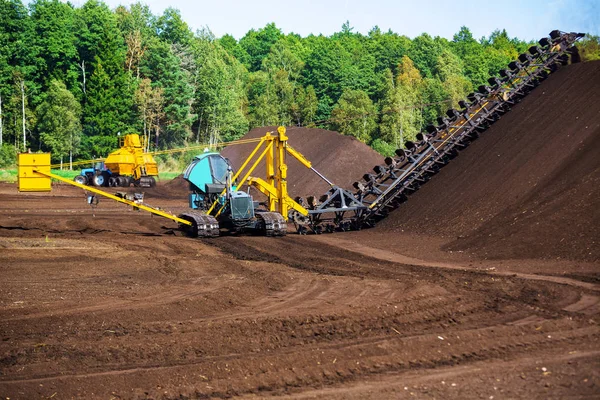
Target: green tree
<point>262,98</point>
<point>257,44</point>
<point>333,66</point>
<point>59,121</point>
<point>409,84</point>
<point>229,43</point>
<point>221,97</point>
<point>109,90</point>
<point>424,51</point>
<point>165,69</point>
<point>355,115</point>
<point>304,109</point>
<point>472,54</point>
<point>15,57</point>
<point>138,17</point>
<point>383,147</point>
<point>388,49</point>
<point>108,109</point>
<point>54,36</point>
<point>589,48</point>
<point>150,104</point>
<point>172,28</point>
<point>499,50</point>
<point>449,70</point>
<point>390,106</point>
<point>435,97</point>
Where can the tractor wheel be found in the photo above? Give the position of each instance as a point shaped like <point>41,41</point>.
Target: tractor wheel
<point>81,179</point>
<point>101,179</point>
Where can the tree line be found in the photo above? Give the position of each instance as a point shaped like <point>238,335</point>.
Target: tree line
<point>72,79</point>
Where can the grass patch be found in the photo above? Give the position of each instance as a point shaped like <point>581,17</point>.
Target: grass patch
<point>8,175</point>
<point>168,175</point>
<point>65,173</point>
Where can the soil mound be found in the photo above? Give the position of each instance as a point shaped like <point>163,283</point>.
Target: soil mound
<point>342,159</point>
<point>174,189</point>
<point>530,186</point>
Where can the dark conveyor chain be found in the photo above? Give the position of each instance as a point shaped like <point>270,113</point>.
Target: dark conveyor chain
<point>390,184</point>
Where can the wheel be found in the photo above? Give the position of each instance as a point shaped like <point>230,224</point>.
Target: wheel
<point>81,179</point>
<point>123,181</point>
<point>98,180</point>
<point>101,179</point>
<point>112,182</point>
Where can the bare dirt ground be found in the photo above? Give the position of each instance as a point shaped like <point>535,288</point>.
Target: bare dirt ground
<point>484,285</point>
<point>107,303</point>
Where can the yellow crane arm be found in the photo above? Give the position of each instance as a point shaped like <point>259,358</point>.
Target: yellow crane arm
<point>113,197</point>
<point>294,153</point>
<point>271,191</point>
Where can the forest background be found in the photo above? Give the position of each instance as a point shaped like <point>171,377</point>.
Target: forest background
<point>73,79</point>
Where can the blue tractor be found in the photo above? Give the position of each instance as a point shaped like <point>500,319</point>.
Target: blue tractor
<point>99,175</point>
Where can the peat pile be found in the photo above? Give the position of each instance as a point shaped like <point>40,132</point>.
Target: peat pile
<point>530,186</point>
<point>342,159</point>
<point>174,189</point>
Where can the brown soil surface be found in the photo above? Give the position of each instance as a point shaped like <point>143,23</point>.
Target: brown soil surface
<point>109,303</point>
<point>176,188</point>
<point>530,186</point>
<point>341,159</point>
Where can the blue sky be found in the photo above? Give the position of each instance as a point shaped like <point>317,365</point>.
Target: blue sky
<point>526,19</point>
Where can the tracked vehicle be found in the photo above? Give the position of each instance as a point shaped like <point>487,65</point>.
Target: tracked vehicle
<point>217,203</point>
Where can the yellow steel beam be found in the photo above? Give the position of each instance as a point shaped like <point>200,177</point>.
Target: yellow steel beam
<point>66,164</point>
<point>294,153</point>
<point>272,192</point>
<point>115,198</point>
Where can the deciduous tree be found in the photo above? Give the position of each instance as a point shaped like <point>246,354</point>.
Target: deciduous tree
<point>59,121</point>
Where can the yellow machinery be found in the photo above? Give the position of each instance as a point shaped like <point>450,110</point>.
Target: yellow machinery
<point>130,164</point>
<point>215,200</point>
<point>29,178</point>
<point>274,151</point>
<point>216,197</point>
<point>131,160</point>
<point>35,176</point>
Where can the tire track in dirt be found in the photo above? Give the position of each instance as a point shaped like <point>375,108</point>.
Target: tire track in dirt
<point>373,359</point>
<point>437,383</point>
<point>402,259</point>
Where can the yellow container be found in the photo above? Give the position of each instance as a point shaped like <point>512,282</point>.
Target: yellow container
<point>30,181</point>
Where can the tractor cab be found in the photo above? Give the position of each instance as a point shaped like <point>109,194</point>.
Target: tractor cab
<point>207,177</point>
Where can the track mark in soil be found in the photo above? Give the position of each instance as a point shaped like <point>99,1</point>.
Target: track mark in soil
<point>588,305</point>
<point>401,259</point>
